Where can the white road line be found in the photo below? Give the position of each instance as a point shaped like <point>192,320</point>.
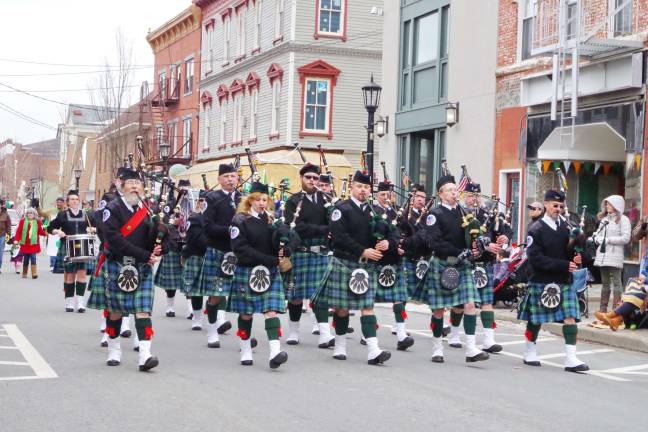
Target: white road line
<point>523,341</point>
<point>37,363</point>
<point>558,355</point>
<point>13,363</point>
<point>4,336</point>
<point>8,347</point>
<point>627,369</point>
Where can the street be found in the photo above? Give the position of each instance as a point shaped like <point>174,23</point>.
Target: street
<point>53,377</point>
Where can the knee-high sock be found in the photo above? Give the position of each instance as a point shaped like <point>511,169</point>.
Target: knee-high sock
<point>144,328</point>
<point>399,312</point>
<point>487,319</point>
<point>341,324</point>
<point>273,328</point>
<point>80,288</point>
<point>532,331</point>
<point>170,293</point>
<point>570,331</point>
<point>196,303</point>
<point>368,324</point>
<point>294,311</point>
<point>321,312</point>
<point>244,328</point>
<point>113,328</point>
<point>222,304</point>
<point>437,327</point>
<point>455,317</point>
<point>212,313</point>
<point>470,323</point>
<point>68,288</point>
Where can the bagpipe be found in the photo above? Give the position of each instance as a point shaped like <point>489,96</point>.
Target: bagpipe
<point>577,240</point>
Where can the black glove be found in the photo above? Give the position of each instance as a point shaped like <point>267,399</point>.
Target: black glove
<point>465,255</point>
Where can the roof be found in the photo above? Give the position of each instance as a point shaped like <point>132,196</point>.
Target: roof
<point>89,115</point>
<point>48,149</point>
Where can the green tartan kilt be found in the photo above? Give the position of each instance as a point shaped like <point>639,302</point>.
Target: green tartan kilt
<point>169,272</point>
<point>97,299</point>
<point>532,310</point>
<point>243,300</point>
<point>212,280</point>
<point>437,297</point>
<point>415,286</point>
<point>396,292</point>
<point>486,294</point>
<point>335,291</point>
<point>308,271</point>
<point>140,300</point>
<point>191,275</point>
<point>65,267</point>
<point>59,266</point>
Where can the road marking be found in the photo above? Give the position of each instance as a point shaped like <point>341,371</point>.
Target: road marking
<point>33,358</point>
<point>627,369</point>
<point>558,355</point>
<point>8,347</point>
<point>13,363</point>
<point>4,336</point>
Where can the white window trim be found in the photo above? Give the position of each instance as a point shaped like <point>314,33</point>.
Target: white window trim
<point>327,126</point>
<point>186,135</point>
<point>612,8</point>
<point>237,118</point>
<point>254,108</point>
<point>193,74</point>
<point>279,18</point>
<point>523,14</point>
<point>227,29</point>
<point>206,137</point>
<point>342,17</point>
<point>223,123</point>
<point>172,137</point>
<point>241,30</point>
<point>258,20</point>
<point>162,73</point>
<point>275,113</point>
<point>210,49</point>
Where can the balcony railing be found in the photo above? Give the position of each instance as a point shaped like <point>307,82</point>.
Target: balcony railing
<point>169,92</point>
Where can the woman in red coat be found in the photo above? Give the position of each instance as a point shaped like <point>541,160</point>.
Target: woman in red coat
<point>27,236</point>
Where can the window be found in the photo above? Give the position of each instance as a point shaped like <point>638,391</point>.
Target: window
<point>622,20</point>
<point>171,130</point>
<point>162,84</point>
<point>226,40</point>
<point>237,119</point>
<point>210,49</point>
<point>426,30</point>
<point>173,84</point>
<point>207,130</point>
<point>241,31</point>
<point>331,17</point>
<point>254,102</point>
<point>316,105</point>
<point>223,122</point>
<point>186,137</point>
<point>528,21</point>
<point>258,17</point>
<point>189,75</point>
<point>279,19</point>
<point>159,134</point>
<point>572,19</point>
<point>276,100</point>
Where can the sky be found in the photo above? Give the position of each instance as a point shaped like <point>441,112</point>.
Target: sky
<point>62,45</point>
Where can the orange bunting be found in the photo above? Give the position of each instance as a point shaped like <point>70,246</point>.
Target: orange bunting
<point>545,166</point>
<point>606,168</point>
<point>577,166</point>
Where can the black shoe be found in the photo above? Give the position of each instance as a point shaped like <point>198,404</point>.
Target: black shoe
<point>69,309</point>
<point>246,362</point>
<point>104,344</point>
<point>340,357</point>
<point>136,349</point>
<point>380,359</point>
<point>493,349</point>
<point>394,332</point>
<point>350,330</point>
<point>170,314</point>
<point>455,345</point>
<point>292,342</point>
<point>126,334</point>
<point>196,328</point>
<point>149,364</point>
<point>278,360</point>
<point>315,332</point>
<point>327,345</point>
<point>224,327</point>
<point>363,342</point>
<point>214,344</point>
<point>81,310</point>
<point>35,277</point>
<point>479,357</point>
<point>532,363</point>
<point>405,343</point>
<point>113,363</point>
<point>445,332</point>
<point>580,368</point>
<point>437,359</point>
<point>253,343</point>
<point>190,316</point>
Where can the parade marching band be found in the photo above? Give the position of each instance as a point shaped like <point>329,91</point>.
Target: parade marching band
<point>252,248</point>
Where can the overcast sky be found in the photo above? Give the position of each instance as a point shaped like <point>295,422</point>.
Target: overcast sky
<point>72,33</point>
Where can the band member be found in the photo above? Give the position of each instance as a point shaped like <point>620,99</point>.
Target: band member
<point>392,284</point>
<point>307,211</point>
<point>351,279</point>
<point>550,296</point>
<point>72,221</point>
<point>169,272</point>
<point>219,263</point>
<point>416,256</point>
<point>324,183</point>
<point>499,234</point>
<point>257,285</point>
<point>449,281</point>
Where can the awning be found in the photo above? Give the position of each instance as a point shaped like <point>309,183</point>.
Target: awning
<point>275,164</point>
<point>591,142</point>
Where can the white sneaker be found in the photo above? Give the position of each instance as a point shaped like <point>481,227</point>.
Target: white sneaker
<point>454,339</point>
<point>196,320</point>
<point>293,333</point>
<point>114,352</point>
<point>437,350</point>
<point>530,356</point>
<point>572,363</point>
<point>277,357</point>
<point>489,345</point>
<point>246,352</point>
<point>375,355</point>
<point>474,354</point>
<point>339,351</point>
<point>326,339</point>
<point>213,341</point>
<point>146,360</point>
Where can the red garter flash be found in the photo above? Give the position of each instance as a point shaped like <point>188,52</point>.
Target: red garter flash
<point>148,333</point>
<point>112,332</point>
<point>403,314</point>
<point>494,326</point>
<point>528,335</point>
<point>242,334</point>
<point>279,332</point>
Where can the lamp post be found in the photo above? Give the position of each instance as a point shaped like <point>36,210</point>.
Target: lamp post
<point>164,155</point>
<point>371,96</point>
<point>77,176</point>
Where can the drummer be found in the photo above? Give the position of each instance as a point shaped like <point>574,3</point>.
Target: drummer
<point>72,221</point>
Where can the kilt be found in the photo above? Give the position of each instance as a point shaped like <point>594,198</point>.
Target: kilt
<point>532,310</point>
<point>335,291</point>
<point>97,298</point>
<point>415,286</point>
<point>140,300</point>
<point>486,294</point>
<point>396,292</point>
<point>90,267</point>
<point>212,280</point>
<point>74,267</point>
<point>308,271</point>
<point>191,275</point>
<point>245,301</point>
<point>59,266</point>
<point>437,297</point>
<point>169,273</point>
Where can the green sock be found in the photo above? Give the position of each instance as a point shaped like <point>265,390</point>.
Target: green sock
<point>321,313</point>
<point>144,328</point>
<point>399,312</point>
<point>272,328</point>
<point>368,323</point>
<point>244,328</point>
<point>341,324</point>
<point>487,319</point>
<point>222,304</point>
<point>80,288</point>
<point>68,288</point>
<point>470,323</point>
<point>569,332</point>
<point>532,331</point>
<point>212,312</point>
<point>437,326</point>
<point>455,318</point>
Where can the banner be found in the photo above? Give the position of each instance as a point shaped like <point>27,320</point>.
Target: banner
<point>606,168</point>
<point>545,166</point>
<point>597,167</point>
<point>577,167</point>
<point>567,166</point>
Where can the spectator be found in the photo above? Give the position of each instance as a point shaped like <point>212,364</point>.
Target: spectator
<point>611,237</point>
<point>27,235</point>
<point>633,306</point>
<point>5,229</point>
<point>535,212</point>
<point>60,206</point>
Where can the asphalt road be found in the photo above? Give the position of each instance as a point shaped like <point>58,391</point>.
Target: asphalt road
<point>53,378</point>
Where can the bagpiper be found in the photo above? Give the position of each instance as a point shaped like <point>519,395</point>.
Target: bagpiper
<point>133,243</point>
<point>307,211</point>
<point>351,278</point>
<point>257,285</point>
<point>550,295</point>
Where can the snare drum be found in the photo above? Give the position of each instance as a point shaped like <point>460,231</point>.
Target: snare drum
<point>80,248</point>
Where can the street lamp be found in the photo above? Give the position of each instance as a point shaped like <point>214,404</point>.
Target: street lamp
<point>77,176</point>
<point>371,96</point>
<point>164,154</point>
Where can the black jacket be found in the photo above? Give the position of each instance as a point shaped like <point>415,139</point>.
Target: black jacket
<point>196,242</point>
<point>312,222</point>
<point>252,241</point>
<point>442,233</point>
<point>547,253</point>
<point>70,223</point>
<point>217,218</point>
<point>138,244</point>
<point>391,255</point>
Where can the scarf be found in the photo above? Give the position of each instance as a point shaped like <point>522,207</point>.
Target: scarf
<point>30,226</point>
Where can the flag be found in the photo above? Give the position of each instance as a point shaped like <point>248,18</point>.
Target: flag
<point>463,182</point>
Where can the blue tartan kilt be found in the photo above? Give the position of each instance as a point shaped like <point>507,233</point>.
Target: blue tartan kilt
<point>169,272</point>
<point>532,310</point>
<point>486,294</point>
<point>213,282</point>
<point>437,297</point>
<point>396,292</point>
<point>243,300</point>
<point>97,284</point>
<point>308,272</point>
<point>59,266</point>
<point>334,290</point>
<point>191,275</point>
<point>140,300</point>
<point>415,286</point>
